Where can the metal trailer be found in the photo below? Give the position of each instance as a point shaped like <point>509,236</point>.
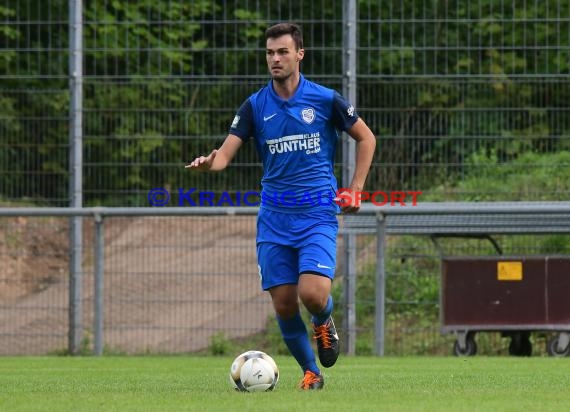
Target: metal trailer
<point>471,219</point>
<point>513,295</point>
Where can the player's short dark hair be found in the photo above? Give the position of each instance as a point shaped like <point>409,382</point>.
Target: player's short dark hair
<point>281,29</point>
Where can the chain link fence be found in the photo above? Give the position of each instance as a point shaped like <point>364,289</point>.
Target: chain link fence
<point>469,101</point>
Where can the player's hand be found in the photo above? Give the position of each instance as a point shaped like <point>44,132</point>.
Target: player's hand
<point>348,200</point>
<point>202,162</point>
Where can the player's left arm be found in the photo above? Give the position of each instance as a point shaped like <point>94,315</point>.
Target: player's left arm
<point>365,147</point>
<point>345,118</point>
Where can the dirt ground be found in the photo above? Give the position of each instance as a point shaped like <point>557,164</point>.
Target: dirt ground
<point>170,283</point>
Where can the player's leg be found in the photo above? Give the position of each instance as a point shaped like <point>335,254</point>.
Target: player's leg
<point>279,274</point>
<point>314,291</point>
<point>317,262</point>
<point>293,329</point>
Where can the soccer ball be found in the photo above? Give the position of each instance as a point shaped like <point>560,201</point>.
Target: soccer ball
<point>254,371</point>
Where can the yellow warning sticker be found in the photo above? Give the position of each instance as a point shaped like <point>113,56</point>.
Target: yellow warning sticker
<point>509,271</point>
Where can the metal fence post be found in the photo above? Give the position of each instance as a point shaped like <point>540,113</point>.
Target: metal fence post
<point>99,283</point>
<point>348,155</point>
<point>380,309</point>
<point>76,167</point>
<point>349,294</point>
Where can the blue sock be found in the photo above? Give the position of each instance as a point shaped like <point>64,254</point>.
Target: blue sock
<point>296,338</point>
<point>320,318</point>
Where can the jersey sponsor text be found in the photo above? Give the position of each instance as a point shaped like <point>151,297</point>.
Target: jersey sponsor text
<point>310,143</point>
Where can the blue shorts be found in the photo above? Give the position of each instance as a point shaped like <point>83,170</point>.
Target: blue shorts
<point>290,244</point>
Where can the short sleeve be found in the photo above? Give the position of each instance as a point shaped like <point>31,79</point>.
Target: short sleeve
<point>343,114</point>
<point>242,125</point>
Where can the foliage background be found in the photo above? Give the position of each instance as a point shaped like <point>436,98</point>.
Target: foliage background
<point>443,84</point>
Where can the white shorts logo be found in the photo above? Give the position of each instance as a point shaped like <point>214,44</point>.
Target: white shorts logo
<point>308,115</point>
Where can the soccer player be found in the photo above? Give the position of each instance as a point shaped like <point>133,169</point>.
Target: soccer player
<point>294,125</point>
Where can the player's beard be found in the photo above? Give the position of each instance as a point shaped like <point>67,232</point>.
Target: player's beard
<point>281,78</point>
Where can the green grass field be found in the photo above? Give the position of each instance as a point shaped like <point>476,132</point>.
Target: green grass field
<point>179,383</point>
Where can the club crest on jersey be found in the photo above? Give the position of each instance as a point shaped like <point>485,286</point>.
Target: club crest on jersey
<point>308,115</point>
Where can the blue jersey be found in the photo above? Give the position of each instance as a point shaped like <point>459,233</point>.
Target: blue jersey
<point>296,140</point>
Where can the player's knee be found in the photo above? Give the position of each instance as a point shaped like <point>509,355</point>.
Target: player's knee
<point>314,293</point>
<point>285,308</point>
<point>285,301</point>
<point>313,301</point>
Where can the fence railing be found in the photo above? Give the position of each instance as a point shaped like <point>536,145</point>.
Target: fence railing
<point>424,219</point>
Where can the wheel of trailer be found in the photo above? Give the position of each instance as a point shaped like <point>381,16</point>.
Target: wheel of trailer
<point>470,346</point>
<point>552,348</point>
<point>520,345</point>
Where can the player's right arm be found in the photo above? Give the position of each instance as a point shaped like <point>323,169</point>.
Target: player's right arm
<point>218,159</point>
<point>240,130</point>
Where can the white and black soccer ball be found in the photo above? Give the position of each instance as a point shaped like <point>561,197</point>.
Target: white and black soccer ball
<point>254,371</point>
